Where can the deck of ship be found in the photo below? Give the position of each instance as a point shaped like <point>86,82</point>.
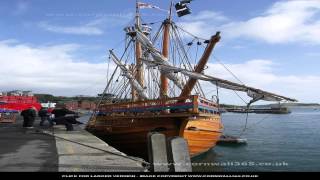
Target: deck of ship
<point>58,150</point>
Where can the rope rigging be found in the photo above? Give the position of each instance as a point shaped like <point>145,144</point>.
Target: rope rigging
<point>182,55</point>
<point>109,82</point>
<point>189,33</point>
<point>248,104</point>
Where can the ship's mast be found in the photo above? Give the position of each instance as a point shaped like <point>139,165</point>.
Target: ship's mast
<point>139,66</point>
<point>186,91</point>
<point>165,52</point>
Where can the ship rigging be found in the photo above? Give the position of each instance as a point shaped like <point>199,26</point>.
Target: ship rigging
<point>157,85</point>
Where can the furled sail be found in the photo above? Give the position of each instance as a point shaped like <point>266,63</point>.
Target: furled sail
<point>158,57</point>
<point>256,94</point>
<point>140,90</point>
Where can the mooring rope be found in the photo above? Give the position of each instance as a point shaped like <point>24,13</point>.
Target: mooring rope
<point>246,123</point>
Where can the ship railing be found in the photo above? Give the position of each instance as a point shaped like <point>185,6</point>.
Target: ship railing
<point>191,104</point>
<point>207,106</point>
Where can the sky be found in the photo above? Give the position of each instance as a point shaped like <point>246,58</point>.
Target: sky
<point>60,47</point>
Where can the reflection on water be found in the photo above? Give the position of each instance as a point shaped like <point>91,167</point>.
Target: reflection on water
<point>284,142</point>
<point>201,163</point>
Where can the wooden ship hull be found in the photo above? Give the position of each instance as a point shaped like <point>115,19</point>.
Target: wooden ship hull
<point>199,124</point>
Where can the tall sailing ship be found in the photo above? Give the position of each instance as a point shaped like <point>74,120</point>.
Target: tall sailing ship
<point>156,86</point>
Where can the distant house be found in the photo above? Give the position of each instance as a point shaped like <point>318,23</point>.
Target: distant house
<point>81,104</point>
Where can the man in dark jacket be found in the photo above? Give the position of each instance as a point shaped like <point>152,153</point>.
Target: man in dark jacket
<point>60,117</point>
<point>45,116</point>
<point>29,116</point>
<point>61,112</point>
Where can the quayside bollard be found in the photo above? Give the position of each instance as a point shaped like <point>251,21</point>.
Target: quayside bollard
<point>178,155</point>
<point>157,151</point>
<point>168,156</point>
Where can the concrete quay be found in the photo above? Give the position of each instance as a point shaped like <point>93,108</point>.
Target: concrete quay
<point>53,149</point>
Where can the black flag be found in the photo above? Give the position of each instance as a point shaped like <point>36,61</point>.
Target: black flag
<point>182,8</point>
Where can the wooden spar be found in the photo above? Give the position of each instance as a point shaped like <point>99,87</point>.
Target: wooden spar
<point>186,91</point>
<point>133,92</point>
<point>165,53</point>
<point>139,66</point>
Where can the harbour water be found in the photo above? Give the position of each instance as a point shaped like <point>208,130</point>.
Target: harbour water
<point>285,142</point>
<point>276,142</point>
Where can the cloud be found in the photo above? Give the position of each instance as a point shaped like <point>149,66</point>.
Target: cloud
<point>260,73</point>
<point>204,24</point>
<point>205,15</point>
<point>283,22</point>
<point>289,21</point>
<point>55,69</point>
<point>49,69</point>
<point>76,30</point>
<point>96,26</point>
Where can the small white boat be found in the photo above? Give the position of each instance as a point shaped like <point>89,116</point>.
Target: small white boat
<point>226,139</point>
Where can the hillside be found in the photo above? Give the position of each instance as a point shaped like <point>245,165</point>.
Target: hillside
<point>43,98</point>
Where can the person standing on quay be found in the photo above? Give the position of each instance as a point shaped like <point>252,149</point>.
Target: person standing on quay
<point>29,116</point>
<point>45,116</point>
<point>60,113</point>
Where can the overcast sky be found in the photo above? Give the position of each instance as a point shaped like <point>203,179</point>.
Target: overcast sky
<point>60,47</point>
